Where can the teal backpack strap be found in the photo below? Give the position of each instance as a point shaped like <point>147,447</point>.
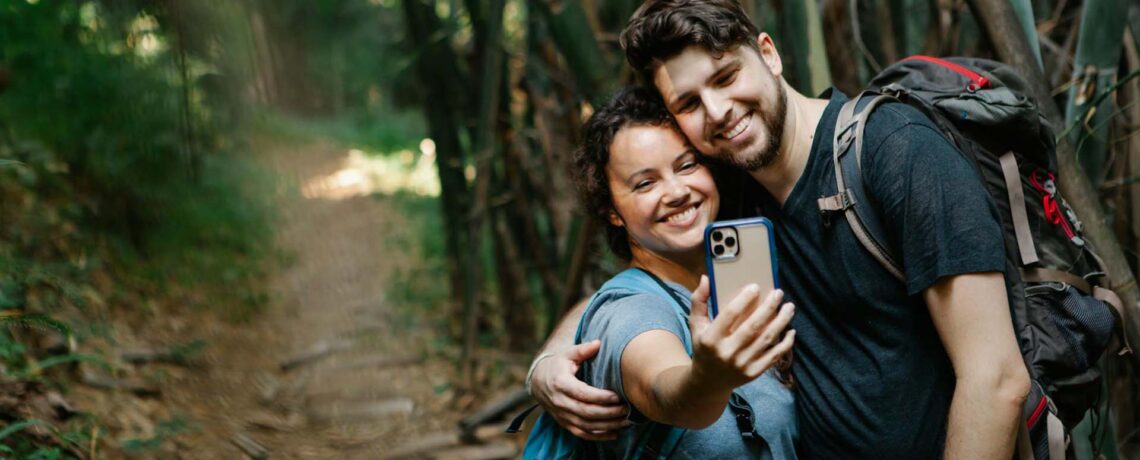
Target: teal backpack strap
<point>657,441</point>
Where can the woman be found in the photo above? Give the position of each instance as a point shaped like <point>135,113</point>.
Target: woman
<point>642,180</point>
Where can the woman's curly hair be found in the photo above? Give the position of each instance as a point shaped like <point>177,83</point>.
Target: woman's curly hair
<point>631,106</point>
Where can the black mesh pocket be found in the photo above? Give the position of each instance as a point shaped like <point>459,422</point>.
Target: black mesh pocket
<point>1068,332</point>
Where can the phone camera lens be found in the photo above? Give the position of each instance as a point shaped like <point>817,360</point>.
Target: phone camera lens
<point>718,250</point>
<point>716,236</point>
<point>730,241</point>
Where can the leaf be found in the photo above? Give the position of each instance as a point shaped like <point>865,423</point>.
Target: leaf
<point>20,426</point>
<point>38,367</point>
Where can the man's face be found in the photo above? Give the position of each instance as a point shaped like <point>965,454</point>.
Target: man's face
<point>730,107</point>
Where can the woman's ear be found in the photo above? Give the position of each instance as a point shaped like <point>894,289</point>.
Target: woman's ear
<point>615,219</point>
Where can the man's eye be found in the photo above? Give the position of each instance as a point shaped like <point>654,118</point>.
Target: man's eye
<point>726,80</point>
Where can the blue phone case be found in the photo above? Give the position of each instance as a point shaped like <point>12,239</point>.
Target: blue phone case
<point>709,257</point>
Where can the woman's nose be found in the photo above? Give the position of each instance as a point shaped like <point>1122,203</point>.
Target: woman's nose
<point>676,191</point>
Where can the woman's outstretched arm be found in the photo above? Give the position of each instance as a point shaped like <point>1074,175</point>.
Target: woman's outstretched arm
<point>746,339</point>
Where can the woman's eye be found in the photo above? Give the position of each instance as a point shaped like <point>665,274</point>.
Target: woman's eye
<point>689,165</point>
<point>642,185</point>
<point>687,106</point>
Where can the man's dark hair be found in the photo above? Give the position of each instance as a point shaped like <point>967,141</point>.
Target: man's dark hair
<point>632,106</point>
<point>661,29</point>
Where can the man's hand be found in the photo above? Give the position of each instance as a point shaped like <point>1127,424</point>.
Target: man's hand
<point>587,412</point>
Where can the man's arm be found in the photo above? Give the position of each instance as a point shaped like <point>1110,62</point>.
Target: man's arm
<point>971,314</point>
<point>587,412</point>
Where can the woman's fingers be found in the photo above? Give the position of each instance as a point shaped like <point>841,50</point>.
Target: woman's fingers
<point>752,325</point>
<point>740,307</point>
<point>768,336</point>
<point>699,310</point>
<point>770,356</point>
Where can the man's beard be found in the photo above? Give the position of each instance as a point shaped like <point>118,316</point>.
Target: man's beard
<point>774,122</point>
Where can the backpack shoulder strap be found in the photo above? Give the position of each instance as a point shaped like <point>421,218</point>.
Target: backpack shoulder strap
<point>638,280</point>
<point>852,198</point>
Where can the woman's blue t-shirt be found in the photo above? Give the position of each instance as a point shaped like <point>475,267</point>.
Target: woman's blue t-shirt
<point>618,321</point>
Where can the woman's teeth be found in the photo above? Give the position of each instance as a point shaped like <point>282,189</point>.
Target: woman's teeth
<point>683,216</point>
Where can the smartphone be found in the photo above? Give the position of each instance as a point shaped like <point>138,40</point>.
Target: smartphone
<point>737,253</point>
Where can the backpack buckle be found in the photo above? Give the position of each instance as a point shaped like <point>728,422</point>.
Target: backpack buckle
<point>845,136</point>
<point>835,203</point>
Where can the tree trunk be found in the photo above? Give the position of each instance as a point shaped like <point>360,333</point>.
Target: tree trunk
<point>436,65</point>
<point>488,109</point>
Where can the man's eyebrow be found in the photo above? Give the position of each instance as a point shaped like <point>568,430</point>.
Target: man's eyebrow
<point>730,64</point>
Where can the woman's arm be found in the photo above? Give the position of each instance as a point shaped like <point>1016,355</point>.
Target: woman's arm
<point>668,386</point>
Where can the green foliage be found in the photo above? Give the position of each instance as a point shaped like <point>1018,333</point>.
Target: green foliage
<point>134,166</point>
<point>415,287</point>
<point>164,430</point>
<point>122,176</point>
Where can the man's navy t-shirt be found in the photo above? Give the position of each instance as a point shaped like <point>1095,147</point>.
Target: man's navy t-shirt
<point>873,377</point>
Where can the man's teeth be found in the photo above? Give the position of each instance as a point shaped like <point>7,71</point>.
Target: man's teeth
<point>683,216</point>
<point>740,127</point>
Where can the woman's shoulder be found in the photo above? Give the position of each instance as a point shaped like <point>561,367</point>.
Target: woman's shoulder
<point>631,304</point>
<point>627,313</point>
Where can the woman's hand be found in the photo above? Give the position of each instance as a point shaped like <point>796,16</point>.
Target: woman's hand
<point>743,341</point>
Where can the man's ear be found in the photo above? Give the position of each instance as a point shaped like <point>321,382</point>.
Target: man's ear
<point>769,55</point>
<point>615,219</point>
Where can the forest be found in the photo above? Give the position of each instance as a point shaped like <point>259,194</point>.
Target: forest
<point>342,228</point>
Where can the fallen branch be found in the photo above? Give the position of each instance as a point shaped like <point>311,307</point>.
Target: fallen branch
<point>249,446</point>
<point>492,411</point>
<point>319,350</point>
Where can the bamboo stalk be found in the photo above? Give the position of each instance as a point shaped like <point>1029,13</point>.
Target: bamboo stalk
<point>1098,55</point>
<point>570,29</point>
<point>491,65</point>
<point>837,39</point>
<point>437,68</point>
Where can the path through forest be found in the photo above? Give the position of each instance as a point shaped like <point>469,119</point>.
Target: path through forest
<point>325,371</point>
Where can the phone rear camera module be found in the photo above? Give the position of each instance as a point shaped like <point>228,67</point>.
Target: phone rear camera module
<point>718,250</point>
<point>730,241</point>
<point>716,236</point>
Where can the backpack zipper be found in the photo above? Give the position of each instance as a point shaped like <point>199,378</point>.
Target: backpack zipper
<point>976,79</point>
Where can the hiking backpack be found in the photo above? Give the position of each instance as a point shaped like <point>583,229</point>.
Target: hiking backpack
<point>1064,314</point>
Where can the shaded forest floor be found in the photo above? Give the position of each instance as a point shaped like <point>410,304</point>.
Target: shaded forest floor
<point>329,369</point>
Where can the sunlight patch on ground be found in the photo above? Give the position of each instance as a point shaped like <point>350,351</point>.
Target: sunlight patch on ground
<point>362,174</point>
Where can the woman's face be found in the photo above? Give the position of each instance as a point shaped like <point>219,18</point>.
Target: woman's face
<point>661,195</point>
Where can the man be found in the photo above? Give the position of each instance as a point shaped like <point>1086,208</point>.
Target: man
<point>928,369</point>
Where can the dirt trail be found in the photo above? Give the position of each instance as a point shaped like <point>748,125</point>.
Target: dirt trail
<point>372,386</point>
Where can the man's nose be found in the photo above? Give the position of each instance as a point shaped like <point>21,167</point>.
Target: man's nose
<point>716,109</point>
